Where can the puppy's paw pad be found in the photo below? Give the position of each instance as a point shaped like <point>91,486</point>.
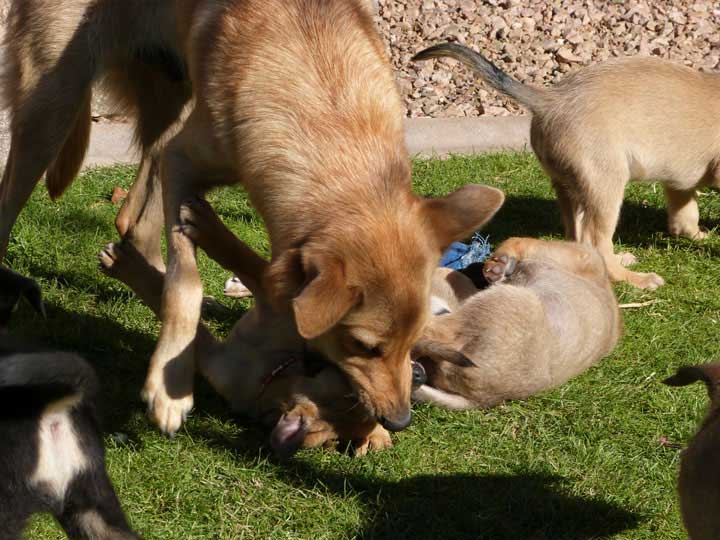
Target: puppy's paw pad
<point>236,289</point>
<point>498,267</point>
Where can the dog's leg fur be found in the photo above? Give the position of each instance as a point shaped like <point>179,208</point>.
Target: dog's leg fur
<point>42,120</point>
<point>683,214</point>
<point>448,400</point>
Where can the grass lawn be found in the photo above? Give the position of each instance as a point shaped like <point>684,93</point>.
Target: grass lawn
<point>577,463</point>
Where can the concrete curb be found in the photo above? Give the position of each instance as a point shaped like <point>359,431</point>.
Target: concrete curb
<point>111,142</point>
<point>439,137</point>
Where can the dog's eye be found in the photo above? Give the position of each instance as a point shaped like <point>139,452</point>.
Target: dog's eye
<point>365,349</point>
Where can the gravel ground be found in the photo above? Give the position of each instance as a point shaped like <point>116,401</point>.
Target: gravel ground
<point>536,42</point>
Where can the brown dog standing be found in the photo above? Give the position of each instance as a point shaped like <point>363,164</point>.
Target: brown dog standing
<point>626,119</point>
<point>699,482</point>
<point>550,315</point>
<point>313,129</point>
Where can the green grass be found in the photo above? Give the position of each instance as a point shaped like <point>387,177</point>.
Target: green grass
<point>580,462</point>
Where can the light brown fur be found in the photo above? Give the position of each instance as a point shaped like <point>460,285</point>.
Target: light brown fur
<point>55,51</point>
<point>699,481</point>
<point>626,119</point>
<point>304,410</point>
<point>313,130</point>
<point>550,315</point>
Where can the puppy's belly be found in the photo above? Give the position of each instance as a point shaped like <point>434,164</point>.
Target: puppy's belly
<point>60,457</point>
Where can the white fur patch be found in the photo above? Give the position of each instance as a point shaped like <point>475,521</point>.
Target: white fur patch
<point>60,457</point>
<point>438,306</point>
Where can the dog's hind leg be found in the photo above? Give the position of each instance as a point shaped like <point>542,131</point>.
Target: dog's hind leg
<point>569,210</point>
<point>48,131</point>
<point>603,200</point>
<point>683,214</point>
<point>158,102</point>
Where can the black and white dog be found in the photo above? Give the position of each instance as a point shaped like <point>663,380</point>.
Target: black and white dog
<point>52,457</point>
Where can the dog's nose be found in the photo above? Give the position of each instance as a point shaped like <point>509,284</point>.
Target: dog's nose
<point>395,424</point>
<point>419,377</point>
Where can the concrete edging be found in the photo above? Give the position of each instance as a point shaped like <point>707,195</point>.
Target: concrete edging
<point>112,143</point>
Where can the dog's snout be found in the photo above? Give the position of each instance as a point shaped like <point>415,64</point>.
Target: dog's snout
<point>419,377</point>
<point>397,423</point>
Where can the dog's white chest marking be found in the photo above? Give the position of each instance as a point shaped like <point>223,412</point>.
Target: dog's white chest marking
<point>438,306</point>
<point>60,457</point>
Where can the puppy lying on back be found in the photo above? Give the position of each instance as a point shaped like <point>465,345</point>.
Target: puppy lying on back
<point>52,457</point>
<point>626,119</point>
<point>699,482</point>
<point>263,369</point>
<point>550,314</point>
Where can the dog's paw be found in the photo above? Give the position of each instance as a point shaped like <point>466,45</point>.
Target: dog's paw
<point>167,413</point>
<point>702,234</point>
<point>235,288</point>
<point>197,220</point>
<point>626,258</point>
<point>378,439</point>
<point>650,281</point>
<point>117,258</point>
<point>498,267</point>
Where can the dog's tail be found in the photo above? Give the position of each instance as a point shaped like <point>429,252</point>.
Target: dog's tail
<point>530,97</point>
<point>67,164</point>
<point>45,377</point>
<point>707,373</point>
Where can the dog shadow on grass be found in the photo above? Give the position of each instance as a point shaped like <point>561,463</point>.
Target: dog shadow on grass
<point>447,506</point>
<point>535,217</point>
<point>468,506</point>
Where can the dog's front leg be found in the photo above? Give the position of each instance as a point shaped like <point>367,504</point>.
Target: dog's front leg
<point>168,388</point>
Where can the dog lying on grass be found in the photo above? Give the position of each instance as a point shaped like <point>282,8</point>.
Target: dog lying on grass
<point>264,368</point>
<point>605,125</point>
<point>52,457</point>
<point>699,481</point>
<point>549,315</point>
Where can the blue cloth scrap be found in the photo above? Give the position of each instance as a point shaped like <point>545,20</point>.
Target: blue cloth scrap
<point>459,255</point>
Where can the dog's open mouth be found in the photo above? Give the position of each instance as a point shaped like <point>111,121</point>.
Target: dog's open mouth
<point>288,435</point>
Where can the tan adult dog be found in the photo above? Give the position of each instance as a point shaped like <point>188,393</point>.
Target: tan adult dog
<point>311,127</point>
<point>550,315</point>
<point>626,119</point>
<point>699,482</point>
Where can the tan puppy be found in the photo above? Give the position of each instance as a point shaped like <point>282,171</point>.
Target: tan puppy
<point>313,129</point>
<point>263,369</point>
<point>626,119</point>
<point>699,482</point>
<point>550,315</point>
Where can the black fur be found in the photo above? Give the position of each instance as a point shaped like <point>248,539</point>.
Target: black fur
<point>13,286</point>
<point>29,383</point>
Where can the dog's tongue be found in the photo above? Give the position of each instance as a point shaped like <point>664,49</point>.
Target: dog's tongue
<point>287,436</point>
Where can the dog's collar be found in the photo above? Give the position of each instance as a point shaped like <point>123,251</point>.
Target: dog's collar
<point>270,377</point>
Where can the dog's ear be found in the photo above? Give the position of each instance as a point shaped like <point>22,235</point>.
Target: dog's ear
<point>707,373</point>
<point>325,298</point>
<point>440,351</point>
<point>13,286</point>
<point>316,287</point>
<point>461,213</point>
